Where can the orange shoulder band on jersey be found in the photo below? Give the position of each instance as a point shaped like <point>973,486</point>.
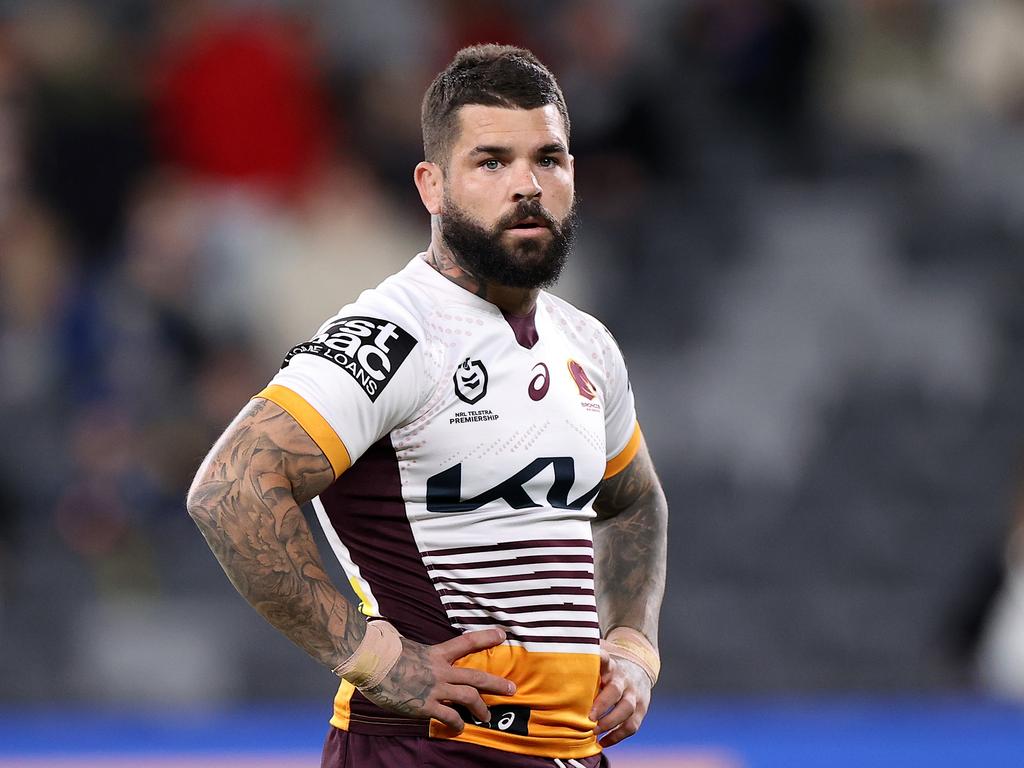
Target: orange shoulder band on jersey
<point>621,460</point>
<point>316,426</point>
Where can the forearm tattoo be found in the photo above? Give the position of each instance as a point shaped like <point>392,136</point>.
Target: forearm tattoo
<point>407,687</point>
<point>245,500</point>
<point>630,548</point>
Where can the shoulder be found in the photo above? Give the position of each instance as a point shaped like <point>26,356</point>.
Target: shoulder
<point>389,328</point>
<point>582,326</point>
<point>403,305</point>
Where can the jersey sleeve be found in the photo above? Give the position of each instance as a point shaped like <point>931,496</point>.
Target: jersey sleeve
<point>622,431</point>
<point>358,378</point>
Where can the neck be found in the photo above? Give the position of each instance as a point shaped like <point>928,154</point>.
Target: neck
<point>516,301</point>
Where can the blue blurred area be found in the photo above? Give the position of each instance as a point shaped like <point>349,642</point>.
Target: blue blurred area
<point>767,733</point>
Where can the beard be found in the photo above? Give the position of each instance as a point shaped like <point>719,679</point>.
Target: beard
<point>526,264</point>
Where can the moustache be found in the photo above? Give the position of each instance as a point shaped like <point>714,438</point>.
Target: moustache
<point>529,210</point>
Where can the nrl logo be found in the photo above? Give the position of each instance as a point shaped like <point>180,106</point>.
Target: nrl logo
<point>470,381</point>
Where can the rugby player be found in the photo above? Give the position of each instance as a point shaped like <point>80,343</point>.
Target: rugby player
<point>470,446</point>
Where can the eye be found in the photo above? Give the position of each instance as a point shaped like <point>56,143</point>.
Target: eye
<point>491,164</point>
<point>548,162</point>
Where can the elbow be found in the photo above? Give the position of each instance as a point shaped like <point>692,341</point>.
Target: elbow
<point>197,501</point>
<point>195,510</point>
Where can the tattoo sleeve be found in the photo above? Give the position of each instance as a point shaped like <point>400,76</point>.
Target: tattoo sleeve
<point>630,548</point>
<point>245,500</point>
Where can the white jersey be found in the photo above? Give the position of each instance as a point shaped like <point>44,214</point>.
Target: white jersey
<point>468,446</point>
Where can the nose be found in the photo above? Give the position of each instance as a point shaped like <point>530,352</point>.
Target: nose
<point>525,185</point>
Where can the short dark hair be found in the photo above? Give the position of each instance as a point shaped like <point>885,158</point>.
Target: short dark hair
<point>491,75</point>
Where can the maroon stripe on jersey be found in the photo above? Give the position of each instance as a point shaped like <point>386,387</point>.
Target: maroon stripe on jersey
<point>512,545</point>
<point>552,639</point>
<point>552,590</point>
<point>511,623</point>
<point>527,559</point>
<point>366,509</point>
<point>535,608</point>
<point>519,577</point>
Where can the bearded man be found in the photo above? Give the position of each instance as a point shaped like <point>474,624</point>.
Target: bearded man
<point>471,448</point>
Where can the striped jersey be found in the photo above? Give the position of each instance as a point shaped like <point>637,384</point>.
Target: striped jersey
<point>468,446</point>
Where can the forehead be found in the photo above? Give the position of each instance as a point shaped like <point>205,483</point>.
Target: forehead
<point>486,125</point>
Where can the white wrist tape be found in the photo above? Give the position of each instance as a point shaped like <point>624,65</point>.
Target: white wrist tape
<point>626,643</point>
<point>374,657</point>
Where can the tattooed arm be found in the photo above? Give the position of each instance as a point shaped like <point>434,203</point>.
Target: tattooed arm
<point>246,498</point>
<point>629,574</point>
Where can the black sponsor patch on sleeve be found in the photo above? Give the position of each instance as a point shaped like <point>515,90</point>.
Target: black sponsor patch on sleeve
<point>370,350</point>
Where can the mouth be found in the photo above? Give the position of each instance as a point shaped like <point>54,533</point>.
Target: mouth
<point>529,225</point>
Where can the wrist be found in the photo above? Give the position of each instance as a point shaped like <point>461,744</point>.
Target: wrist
<point>374,657</point>
<point>631,645</point>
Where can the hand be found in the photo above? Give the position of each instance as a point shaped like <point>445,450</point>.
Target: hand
<point>622,700</point>
<point>423,680</point>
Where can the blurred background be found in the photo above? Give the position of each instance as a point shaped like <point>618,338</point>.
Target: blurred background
<point>803,221</point>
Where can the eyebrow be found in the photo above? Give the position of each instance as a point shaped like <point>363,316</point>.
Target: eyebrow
<point>553,148</point>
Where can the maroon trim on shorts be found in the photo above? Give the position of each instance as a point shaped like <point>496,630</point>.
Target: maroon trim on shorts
<point>367,510</point>
<point>345,749</point>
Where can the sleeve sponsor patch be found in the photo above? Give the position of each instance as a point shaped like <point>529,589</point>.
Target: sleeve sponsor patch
<point>370,350</point>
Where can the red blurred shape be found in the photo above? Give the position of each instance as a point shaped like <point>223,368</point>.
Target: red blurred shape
<point>239,100</point>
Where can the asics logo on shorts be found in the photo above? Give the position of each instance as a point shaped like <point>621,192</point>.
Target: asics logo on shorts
<point>509,718</point>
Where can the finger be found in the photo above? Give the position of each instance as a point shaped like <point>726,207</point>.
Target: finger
<point>606,699</point>
<point>448,716</point>
<point>624,731</point>
<point>617,715</point>
<point>470,642</point>
<point>606,662</point>
<point>467,697</point>
<point>482,681</point>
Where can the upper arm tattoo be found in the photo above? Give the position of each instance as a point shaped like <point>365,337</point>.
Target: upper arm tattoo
<point>630,548</point>
<point>245,500</point>
<point>620,491</point>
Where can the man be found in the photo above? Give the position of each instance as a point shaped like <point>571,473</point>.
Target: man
<point>458,429</point>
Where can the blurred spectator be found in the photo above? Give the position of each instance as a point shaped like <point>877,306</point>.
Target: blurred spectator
<point>889,84</point>
<point>757,57</point>
<point>1000,653</point>
<point>238,98</point>
<point>984,52</point>
<point>86,135</point>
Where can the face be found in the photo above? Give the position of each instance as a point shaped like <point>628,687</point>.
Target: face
<point>506,206</point>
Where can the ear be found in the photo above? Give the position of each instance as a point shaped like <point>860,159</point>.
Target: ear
<point>429,180</point>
